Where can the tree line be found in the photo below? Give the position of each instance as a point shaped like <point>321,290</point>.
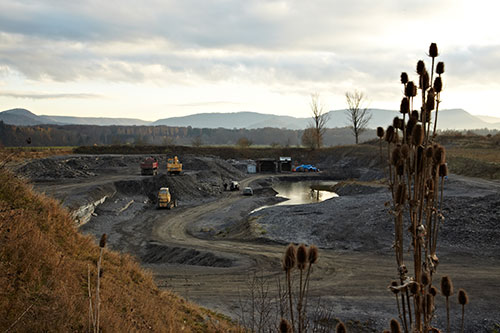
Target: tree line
<point>84,135</point>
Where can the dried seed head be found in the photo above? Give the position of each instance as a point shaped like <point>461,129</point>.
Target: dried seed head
<point>439,155</point>
<point>443,170</point>
<point>429,303</point>
<point>414,288</point>
<point>340,328</point>
<point>463,299</point>
<point>426,277</point>
<point>302,256</point>
<point>404,78</point>
<point>290,258</point>
<point>102,242</point>
<point>405,151</point>
<point>446,286</point>
<point>414,115</point>
<point>438,84</point>
<point>400,196</point>
<point>429,152</point>
<point>395,138</point>
<point>429,103</point>
<point>409,127</point>
<point>410,89</point>
<point>396,155</point>
<point>395,327</point>
<point>433,50</point>
<point>313,254</point>
<point>433,291</point>
<point>417,135</point>
<point>285,326</point>
<point>420,67</point>
<point>424,80</point>
<point>440,68</point>
<point>405,105</point>
<point>394,284</point>
<point>389,134</point>
<point>397,123</point>
<point>380,132</point>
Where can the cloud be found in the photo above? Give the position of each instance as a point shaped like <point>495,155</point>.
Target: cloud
<point>287,45</point>
<point>48,95</point>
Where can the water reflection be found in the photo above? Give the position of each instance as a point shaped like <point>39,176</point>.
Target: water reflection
<point>303,192</point>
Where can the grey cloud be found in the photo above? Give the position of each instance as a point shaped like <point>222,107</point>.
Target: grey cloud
<point>48,95</point>
<point>290,42</point>
<point>474,63</point>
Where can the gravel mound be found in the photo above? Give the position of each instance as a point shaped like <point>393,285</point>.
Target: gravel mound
<point>358,220</point>
<point>55,168</point>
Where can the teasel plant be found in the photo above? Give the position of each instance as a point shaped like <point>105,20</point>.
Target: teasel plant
<point>94,313</point>
<point>416,172</point>
<point>298,258</point>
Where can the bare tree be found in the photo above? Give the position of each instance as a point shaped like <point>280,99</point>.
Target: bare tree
<point>319,120</point>
<point>197,141</point>
<point>357,115</point>
<point>309,138</point>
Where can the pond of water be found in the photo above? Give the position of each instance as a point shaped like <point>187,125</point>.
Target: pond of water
<point>303,192</point>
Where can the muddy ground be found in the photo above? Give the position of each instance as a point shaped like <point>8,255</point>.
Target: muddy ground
<point>209,247</point>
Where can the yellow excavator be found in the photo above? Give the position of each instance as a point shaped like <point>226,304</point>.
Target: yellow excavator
<point>165,199</point>
<point>174,167</point>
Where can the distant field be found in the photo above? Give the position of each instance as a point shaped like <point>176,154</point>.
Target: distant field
<point>15,154</point>
<point>473,155</point>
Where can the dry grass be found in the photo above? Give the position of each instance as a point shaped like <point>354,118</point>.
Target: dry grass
<point>43,276</point>
<point>20,154</point>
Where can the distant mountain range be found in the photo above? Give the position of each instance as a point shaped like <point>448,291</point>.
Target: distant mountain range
<point>23,117</point>
<point>448,119</point>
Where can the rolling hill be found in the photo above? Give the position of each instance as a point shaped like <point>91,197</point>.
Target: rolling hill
<point>458,119</point>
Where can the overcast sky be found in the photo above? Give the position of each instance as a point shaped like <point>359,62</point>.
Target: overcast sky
<point>158,59</point>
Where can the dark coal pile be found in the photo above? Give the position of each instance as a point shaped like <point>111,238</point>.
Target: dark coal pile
<point>55,168</point>
<point>213,164</point>
<point>161,254</point>
<point>472,224</point>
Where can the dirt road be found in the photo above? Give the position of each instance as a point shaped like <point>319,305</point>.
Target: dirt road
<point>353,286</point>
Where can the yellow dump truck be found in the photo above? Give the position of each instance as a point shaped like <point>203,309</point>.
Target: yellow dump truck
<point>174,166</point>
<point>165,199</point>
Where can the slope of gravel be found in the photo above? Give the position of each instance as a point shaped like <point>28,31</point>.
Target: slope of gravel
<point>358,220</point>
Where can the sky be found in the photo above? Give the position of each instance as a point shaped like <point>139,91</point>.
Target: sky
<point>156,59</point>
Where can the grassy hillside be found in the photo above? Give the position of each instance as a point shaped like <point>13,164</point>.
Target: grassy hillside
<point>44,270</point>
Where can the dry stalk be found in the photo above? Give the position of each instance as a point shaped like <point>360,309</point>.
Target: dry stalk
<point>417,170</point>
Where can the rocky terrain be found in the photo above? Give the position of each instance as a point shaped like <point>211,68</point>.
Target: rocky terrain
<point>208,246</point>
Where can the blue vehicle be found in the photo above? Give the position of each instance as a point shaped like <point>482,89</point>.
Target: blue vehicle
<point>305,168</point>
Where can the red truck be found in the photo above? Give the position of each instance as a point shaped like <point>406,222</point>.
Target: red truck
<point>149,166</point>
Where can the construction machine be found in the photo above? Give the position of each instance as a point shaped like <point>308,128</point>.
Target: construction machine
<point>165,199</point>
<point>174,166</point>
<point>149,166</point>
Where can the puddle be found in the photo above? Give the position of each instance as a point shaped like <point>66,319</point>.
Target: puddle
<point>302,192</point>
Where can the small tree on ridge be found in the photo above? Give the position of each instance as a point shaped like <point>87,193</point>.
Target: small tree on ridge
<point>358,117</point>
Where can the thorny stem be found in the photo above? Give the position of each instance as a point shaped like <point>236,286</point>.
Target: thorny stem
<point>403,319</point>
<point>306,287</point>
<point>463,316</point>
<point>289,279</point>
<point>447,315</point>
<point>437,108</point>
<point>299,304</point>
